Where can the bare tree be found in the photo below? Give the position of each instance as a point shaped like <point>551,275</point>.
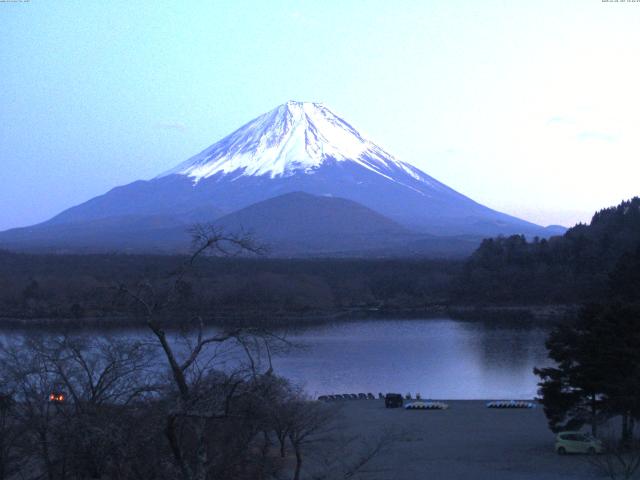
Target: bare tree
<point>619,460</point>
<point>98,370</point>
<point>10,435</point>
<point>348,457</point>
<point>95,407</point>
<point>308,422</point>
<point>194,411</point>
<point>27,376</point>
<point>72,398</point>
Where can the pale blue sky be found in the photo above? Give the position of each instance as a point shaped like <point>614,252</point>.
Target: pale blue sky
<point>528,107</point>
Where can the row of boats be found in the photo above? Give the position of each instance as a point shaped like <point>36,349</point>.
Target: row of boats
<point>349,396</point>
<point>511,404</point>
<point>429,405</point>
<point>420,404</point>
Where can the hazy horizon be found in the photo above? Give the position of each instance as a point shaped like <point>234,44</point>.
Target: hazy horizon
<point>527,109</point>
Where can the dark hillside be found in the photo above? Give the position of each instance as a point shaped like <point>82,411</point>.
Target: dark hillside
<point>571,268</point>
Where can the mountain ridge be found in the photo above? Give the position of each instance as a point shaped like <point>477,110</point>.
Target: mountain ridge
<point>293,136</point>
<point>296,147</point>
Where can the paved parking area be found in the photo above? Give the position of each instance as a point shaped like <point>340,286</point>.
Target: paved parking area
<point>468,441</point>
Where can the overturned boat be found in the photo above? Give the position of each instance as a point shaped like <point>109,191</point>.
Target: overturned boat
<point>511,404</point>
<point>426,406</point>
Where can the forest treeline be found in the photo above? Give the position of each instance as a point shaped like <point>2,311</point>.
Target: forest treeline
<point>86,286</point>
<point>575,268</point>
<point>594,375</point>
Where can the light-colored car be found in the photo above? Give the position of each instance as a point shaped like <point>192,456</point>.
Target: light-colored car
<point>577,442</point>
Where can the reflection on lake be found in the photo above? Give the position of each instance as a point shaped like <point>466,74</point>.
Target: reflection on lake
<point>439,358</point>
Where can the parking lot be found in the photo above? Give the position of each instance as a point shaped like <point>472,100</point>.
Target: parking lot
<point>466,441</point>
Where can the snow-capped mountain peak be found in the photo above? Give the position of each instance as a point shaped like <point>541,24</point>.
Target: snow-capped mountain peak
<point>275,173</point>
<point>294,137</point>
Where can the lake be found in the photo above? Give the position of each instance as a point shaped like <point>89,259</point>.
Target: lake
<point>438,358</point>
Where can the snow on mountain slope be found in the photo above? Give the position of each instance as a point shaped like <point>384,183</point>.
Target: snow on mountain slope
<point>301,146</point>
<point>297,147</point>
<point>294,137</point>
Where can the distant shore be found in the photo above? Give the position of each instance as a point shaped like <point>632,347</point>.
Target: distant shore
<point>537,314</point>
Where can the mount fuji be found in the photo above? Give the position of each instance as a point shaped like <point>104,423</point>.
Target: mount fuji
<point>322,168</point>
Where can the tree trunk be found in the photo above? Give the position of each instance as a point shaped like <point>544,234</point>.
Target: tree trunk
<point>594,421</point>
<point>266,446</point>
<point>178,374</point>
<point>44,441</point>
<point>625,429</point>
<point>170,432</point>
<point>3,459</point>
<point>201,450</point>
<point>283,447</point>
<point>296,474</point>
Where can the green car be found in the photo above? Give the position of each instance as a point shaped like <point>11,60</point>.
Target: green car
<point>577,442</point>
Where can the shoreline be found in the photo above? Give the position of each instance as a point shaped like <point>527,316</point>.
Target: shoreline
<point>508,314</point>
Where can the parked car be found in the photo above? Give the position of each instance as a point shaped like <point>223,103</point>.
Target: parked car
<point>393,400</point>
<point>577,442</point>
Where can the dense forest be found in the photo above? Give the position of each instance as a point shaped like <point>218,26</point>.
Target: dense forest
<point>86,286</point>
<point>577,267</point>
<point>573,268</point>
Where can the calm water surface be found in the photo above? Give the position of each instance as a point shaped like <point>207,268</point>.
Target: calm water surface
<point>443,359</point>
<point>439,358</point>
